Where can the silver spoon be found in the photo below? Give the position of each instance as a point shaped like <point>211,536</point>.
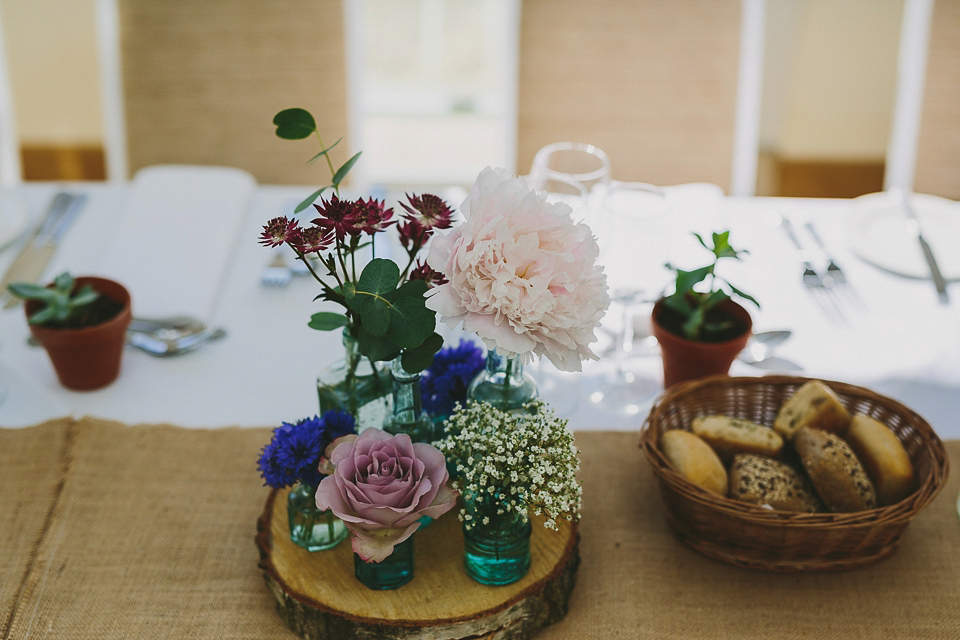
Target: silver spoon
<point>158,344</point>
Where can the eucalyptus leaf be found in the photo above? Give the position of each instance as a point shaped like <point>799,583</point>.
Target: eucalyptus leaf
<point>420,358</point>
<point>375,315</point>
<point>379,277</point>
<point>323,153</point>
<point>310,199</point>
<point>294,124</point>
<point>411,322</point>
<point>345,169</point>
<point>327,321</point>
<point>377,348</point>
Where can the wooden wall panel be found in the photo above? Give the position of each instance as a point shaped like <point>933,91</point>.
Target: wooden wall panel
<point>203,80</point>
<point>652,82</point>
<point>938,148</point>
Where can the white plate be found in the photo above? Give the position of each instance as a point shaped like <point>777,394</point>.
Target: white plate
<point>13,218</point>
<point>880,234</point>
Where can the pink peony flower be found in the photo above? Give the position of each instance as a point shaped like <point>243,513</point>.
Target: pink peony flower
<point>380,486</point>
<point>522,275</point>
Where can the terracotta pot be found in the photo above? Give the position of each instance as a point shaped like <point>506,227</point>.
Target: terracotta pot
<point>87,358</point>
<point>688,359</point>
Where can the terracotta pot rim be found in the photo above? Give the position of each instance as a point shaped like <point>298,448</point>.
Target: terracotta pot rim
<point>702,344</point>
<point>122,316</point>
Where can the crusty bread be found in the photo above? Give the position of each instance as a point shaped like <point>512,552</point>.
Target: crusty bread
<point>884,458</point>
<point>729,436</point>
<point>694,460</point>
<point>835,471</point>
<point>762,480</point>
<point>813,405</point>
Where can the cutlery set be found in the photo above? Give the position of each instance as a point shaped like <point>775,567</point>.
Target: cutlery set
<point>829,286</point>
<point>163,337</point>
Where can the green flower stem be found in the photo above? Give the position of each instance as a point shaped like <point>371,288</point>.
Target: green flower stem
<point>506,380</point>
<point>333,172</point>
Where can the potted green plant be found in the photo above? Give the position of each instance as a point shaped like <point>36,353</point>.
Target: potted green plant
<point>699,326</point>
<point>82,324</point>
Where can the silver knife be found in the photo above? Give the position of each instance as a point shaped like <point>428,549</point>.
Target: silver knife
<point>938,281</point>
<point>31,262</point>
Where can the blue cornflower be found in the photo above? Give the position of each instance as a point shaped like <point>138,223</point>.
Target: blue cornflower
<point>294,452</point>
<point>445,382</point>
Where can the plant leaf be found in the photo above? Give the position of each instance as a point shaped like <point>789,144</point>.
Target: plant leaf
<point>323,153</point>
<point>374,315</point>
<point>379,277</point>
<point>678,302</point>
<point>743,294</point>
<point>411,322</point>
<point>409,289</point>
<point>294,124</point>
<point>63,282</point>
<point>420,358</point>
<point>42,316</point>
<point>691,328</point>
<point>310,199</point>
<point>377,348</point>
<point>327,321</point>
<point>29,291</point>
<point>85,296</point>
<point>345,169</point>
<point>713,299</point>
<point>687,279</point>
<point>700,238</point>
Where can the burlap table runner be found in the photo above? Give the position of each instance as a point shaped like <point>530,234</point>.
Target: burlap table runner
<point>126,532</point>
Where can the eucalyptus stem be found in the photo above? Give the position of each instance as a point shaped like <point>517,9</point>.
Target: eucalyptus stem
<point>333,172</point>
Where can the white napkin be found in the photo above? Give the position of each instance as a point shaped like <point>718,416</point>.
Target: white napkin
<point>176,237</point>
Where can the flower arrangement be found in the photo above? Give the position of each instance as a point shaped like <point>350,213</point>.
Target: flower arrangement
<point>512,463</point>
<point>445,382</point>
<point>383,305</point>
<point>694,311</point>
<point>520,273</point>
<point>294,452</point>
<point>381,486</point>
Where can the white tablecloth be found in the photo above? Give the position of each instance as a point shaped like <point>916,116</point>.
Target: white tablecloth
<point>902,343</point>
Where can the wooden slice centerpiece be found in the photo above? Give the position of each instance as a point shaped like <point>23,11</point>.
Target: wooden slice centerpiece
<point>319,597</point>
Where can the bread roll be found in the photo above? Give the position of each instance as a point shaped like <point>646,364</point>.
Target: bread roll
<point>765,481</point>
<point>885,459</point>
<point>835,471</point>
<point>813,405</point>
<point>694,460</point>
<point>729,436</point>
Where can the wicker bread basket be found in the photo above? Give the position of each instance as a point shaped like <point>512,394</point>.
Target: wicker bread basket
<point>751,536</point>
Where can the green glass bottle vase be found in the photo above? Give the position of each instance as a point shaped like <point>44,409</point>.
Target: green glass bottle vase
<point>408,415</point>
<point>394,571</point>
<point>503,383</point>
<point>311,528</point>
<point>496,549</point>
<point>356,385</point>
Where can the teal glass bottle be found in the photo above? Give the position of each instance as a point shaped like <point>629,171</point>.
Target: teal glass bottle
<point>394,571</point>
<point>408,415</point>
<point>503,383</point>
<point>497,552</point>
<point>356,385</point>
<point>311,528</point>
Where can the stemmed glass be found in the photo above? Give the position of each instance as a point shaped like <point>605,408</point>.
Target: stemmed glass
<point>580,174</point>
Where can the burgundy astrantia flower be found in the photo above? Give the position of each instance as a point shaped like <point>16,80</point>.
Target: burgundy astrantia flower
<point>311,239</point>
<point>412,234</point>
<point>422,271</point>
<point>342,217</point>
<point>429,210</point>
<point>278,231</point>
<point>374,216</point>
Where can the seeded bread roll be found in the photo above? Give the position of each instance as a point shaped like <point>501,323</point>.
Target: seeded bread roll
<point>694,460</point>
<point>765,481</point>
<point>884,458</point>
<point>729,436</point>
<point>835,471</point>
<point>813,405</point>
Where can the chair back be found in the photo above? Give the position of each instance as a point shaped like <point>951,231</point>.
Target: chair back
<point>652,82</point>
<point>202,81</point>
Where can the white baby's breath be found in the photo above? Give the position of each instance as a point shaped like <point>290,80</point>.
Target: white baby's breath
<point>523,462</point>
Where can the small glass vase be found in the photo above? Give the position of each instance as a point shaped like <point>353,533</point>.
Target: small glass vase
<point>394,571</point>
<point>311,528</point>
<point>497,553</point>
<point>356,385</point>
<point>503,383</point>
<point>408,415</point>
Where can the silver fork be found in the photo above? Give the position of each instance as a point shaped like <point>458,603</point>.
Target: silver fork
<point>818,286</point>
<point>277,273</point>
<point>834,274</point>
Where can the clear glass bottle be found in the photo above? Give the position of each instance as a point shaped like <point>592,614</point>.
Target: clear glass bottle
<point>311,528</point>
<point>496,550</point>
<point>503,383</point>
<point>356,385</point>
<point>394,571</point>
<point>408,415</point>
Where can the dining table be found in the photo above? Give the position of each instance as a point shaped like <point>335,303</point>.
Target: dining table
<point>130,511</point>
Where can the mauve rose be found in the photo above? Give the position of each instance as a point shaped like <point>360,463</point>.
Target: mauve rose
<point>380,486</point>
<point>521,273</point>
